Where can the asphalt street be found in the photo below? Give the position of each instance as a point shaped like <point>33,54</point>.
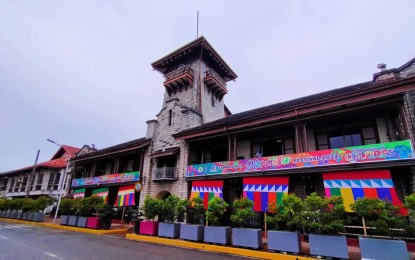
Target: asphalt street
<point>20,241</point>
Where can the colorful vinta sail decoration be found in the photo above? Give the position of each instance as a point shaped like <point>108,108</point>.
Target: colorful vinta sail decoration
<point>265,190</point>
<point>80,193</point>
<point>125,196</point>
<point>206,190</point>
<point>358,184</point>
<point>103,193</point>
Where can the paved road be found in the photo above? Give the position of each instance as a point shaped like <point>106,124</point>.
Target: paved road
<point>18,241</point>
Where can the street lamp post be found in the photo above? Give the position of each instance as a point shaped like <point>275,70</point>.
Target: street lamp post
<point>61,183</point>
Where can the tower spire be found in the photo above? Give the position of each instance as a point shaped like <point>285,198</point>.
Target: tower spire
<point>197,25</point>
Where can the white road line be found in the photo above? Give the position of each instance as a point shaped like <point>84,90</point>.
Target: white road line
<point>53,255</point>
<point>3,237</point>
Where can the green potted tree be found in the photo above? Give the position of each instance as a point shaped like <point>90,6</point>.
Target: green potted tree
<point>2,211</point>
<point>193,230</point>
<point>7,206</point>
<point>19,206</point>
<point>94,203</point>
<point>27,207</point>
<point>106,214</point>
<point>150,209</point>
<point>73,217</point>
<point>241,236</point>
<point>283,222</point>
<point>385,219</point>
<point>214,233</point>
<point>83,211</point>
<point>14,205</point>
<point>323,219</point>
<point>65,210</point>
<point>169,210</point>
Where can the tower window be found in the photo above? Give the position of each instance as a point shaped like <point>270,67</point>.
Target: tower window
<point>170,117</point>
<point>212,100</point>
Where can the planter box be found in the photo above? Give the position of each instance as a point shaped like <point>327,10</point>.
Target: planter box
<point>94,223</point>
<point>191,232</point>
<point>284,241</point>
<point>82,221</point>
<point>72,221</point>
<point>247,237</point>
<point>371,248</point>
<point>64,220</point>
<point>2,214</point>
<point>106,224</point>
<point>19,214</point>
<point>30,216</point>
<point>38,217</point>
<point>137,226</point>
<point>24,215</point>
<point>13,214</point>
<point>8,214</point>
<point>331,246</point>
<point>217,235</point>
<point>171,230</point>
<point>149,228</point>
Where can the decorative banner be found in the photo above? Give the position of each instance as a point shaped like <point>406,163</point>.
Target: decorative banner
<point>206,190</point>
<point>106,179</point>
<point>80,193</point>
<point>358,184</point>
<point>400,150</point>
<point>264,190</point>
<point>125,196</point>
<point>103,192</point>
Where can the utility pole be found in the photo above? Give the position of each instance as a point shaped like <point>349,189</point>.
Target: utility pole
<point>31,176</point>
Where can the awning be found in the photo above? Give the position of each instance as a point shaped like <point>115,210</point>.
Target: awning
<point>206,190</point>
<point>358,184</point>
<point>265,190</point>
<point>80,193</point>
<point>165,152</point>
<point>102,192</point>
<point>125,196</point>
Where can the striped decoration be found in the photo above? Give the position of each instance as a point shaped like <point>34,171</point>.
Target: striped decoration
<point>206,190</point>
<point>265,190</point>
<point>358,184</point>
<point>80,193</point>
<point>103,192</point>
<point>125,196</point>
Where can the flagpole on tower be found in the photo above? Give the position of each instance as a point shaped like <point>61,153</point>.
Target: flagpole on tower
<point>197,25</point>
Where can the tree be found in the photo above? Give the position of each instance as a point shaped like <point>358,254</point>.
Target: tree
<point>243,211</point>
<point>217,207</point>
<point>287,214</point>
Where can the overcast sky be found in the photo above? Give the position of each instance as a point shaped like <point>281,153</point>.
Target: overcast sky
<point>78,72</point>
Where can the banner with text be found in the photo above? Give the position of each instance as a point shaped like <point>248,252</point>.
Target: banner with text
<point>383,152</point>
<point>107,179</point>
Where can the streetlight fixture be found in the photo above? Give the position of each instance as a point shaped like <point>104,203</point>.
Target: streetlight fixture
<point>61,183</point>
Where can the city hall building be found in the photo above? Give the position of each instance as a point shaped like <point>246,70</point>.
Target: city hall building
<point>354,141</point>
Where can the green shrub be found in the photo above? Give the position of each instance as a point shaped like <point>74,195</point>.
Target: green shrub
<point>287,215</point>
<point>2,204</point>
<point>170,209</point>
<point>151,207</point>
<point>382,215</point>
<point>66,207</point>
<point>323,215</point>
<point>195,213</point>
<point>243,211</point>
<point>410,205</point>
<point>42,202</point>
<point>217,207</point>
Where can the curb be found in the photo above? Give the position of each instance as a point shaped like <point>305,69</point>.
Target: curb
<point>68,228</point>
<point>214,248</point>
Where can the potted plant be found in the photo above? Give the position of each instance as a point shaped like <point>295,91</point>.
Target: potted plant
<point>7,206</point>
<point>244,237</point>
<point>169,210</point>
<point>386,220</point>
<point>73,217</point>
<point>136,219</point>
<point>27,206</point>
<point>193,230</point>
<point>323,218</point>
<point>150,209</point>
<point>94,222</point>
<point>106,214</point>
<point>65,210</point>
<point>13,208</point>
<point>213,232</point>
<point>39,205</point>
<point>286,216</point>
<point>2,211</point>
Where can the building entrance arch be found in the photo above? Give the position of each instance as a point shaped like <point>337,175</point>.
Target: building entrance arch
<point>163,195</point>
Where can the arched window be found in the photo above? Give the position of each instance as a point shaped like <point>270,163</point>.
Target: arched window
<point>170,117</point>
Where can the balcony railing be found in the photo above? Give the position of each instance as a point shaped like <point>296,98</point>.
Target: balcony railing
<point>165,173</point>
<point>180,77</point>
<point>215,83</point>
